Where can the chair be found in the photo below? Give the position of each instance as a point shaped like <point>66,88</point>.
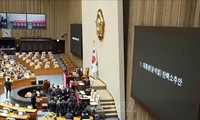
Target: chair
<point>40,82</point>
<point>46,66</point>
<point>33,82</point>
<point>96,102</point>
<point>93,96</point>
<point>56,66</point>
<point>44,103</point>
<point>86,74</point>
<point>46,85</point>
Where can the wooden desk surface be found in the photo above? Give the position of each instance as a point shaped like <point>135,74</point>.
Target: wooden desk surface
<point>10,106</point>
<point>11,115</point>
<point>79,118</point>
<point>62,118</point>
<point>57,118</point>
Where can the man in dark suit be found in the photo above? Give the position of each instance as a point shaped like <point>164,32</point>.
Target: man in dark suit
<point>87,82</point>
<point>8,85</point>
<point>52,105</point>
<point>33,99</point>
<point>58,107</point>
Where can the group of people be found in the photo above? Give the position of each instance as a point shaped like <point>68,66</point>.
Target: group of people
<point>9,67</point>
<point>63,101</point>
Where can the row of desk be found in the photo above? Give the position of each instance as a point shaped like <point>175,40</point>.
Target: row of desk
<point>31,114</point>
<point>75,118</point>
<point>17,83</point>
<point>42,71</point>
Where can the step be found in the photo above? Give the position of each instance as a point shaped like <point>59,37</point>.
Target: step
<point>107,102</point>
<point>108,106</point>
<point>98,87</point>
<point>107,115</point>
<point>113,110</point>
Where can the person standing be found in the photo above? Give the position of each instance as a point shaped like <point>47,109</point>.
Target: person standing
<point>8,85</point>
<point>33,99</point>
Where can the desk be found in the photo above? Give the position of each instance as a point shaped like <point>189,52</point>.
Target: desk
<point>69,77</point>
<point>57,118</point>
<point>17,117</point>
<point>79,85</point>
<point>42,70</point>
<point>22,82</point>
<point>18,83</point>
<point>39,103</point>
<point>75,118</point>
<point>79,118</point>
<point>31,112</point>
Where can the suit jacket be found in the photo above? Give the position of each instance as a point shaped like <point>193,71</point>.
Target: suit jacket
<point>87,83</point>
<point>52,106</point>
<point>8,85</point>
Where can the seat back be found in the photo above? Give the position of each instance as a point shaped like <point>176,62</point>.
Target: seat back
<point>94,95</point>
<point>87,71</point>
<point>97,99</point>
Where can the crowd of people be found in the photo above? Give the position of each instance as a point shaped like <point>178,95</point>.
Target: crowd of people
<point>63,101</point>
<point>12,68</point>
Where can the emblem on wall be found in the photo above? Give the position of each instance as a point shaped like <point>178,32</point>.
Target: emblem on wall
<point>100,24</point>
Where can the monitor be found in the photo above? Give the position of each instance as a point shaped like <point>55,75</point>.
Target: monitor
<point>76,40</point>
<point>29,107</point>
<point>5,110</point>
<point>16,20</point>
<point>36,21</point>
<point>166,79</point>
<point>21,112</point>
<point>17,105</point>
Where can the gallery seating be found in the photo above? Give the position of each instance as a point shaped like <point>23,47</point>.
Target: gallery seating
<point>40,64</point>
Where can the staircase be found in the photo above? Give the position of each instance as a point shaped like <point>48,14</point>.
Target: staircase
<point>106,100</point>
<point>109,108</point>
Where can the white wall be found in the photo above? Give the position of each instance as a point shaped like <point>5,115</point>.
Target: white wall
<point>110,50</point>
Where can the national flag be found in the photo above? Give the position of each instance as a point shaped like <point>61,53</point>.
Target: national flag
<point>94,61</point>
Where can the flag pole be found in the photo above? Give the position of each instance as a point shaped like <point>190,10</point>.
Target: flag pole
<point>95,74</point>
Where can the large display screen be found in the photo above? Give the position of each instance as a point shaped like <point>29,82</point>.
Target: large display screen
<point>76,39</point>
<point>22,20</point>
<point>166,71</point>
<point>15,20</point>
<point>36,21</point>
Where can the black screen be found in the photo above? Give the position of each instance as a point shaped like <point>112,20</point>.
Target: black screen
<point>76,39</point>
<point>166,73</point>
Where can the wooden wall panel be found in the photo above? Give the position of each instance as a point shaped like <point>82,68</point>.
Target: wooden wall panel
<point>74,16</point>
<point>185,13</point>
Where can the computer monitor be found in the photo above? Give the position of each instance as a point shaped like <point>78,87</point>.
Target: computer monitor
<point>21,112</point>
<point>16,105</point>
<point>29,107</point>
<point>5,110</point>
